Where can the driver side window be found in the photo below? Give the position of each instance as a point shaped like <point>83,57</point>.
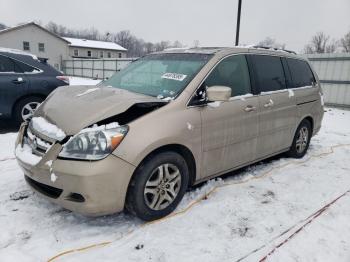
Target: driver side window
<point>231,72</point>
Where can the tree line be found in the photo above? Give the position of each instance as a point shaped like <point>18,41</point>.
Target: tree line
<point>319,43</point>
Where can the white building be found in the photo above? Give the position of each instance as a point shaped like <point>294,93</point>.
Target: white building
<point>37,40</point>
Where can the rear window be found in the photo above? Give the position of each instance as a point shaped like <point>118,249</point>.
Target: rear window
<point>268,72</point>
<point>301,72</point>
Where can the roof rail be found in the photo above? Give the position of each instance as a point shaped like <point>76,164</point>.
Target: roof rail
<point>274,48</point>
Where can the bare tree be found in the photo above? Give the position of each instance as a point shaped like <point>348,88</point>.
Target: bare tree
<point>271,42</point>
<point>196,43</point>
<point>345,43</point>
<point>320,44</point>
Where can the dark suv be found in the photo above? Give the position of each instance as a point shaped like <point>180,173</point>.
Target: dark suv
<point>25,81</point>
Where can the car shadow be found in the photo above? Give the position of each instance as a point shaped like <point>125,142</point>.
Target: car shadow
<point>8,126</point>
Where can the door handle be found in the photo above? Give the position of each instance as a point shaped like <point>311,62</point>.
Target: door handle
<point>19,80</point>
<point>269,104</point>
<point>250,108</point>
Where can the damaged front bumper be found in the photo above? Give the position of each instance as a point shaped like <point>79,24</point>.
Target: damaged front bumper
<point>91,188</point>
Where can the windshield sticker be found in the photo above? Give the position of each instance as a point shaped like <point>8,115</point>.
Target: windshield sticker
<point>174,76</point>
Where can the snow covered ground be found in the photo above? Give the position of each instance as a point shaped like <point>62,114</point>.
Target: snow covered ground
<point>248,213</point>
<point>74,80</point>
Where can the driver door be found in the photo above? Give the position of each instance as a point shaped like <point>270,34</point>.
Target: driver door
<point>229,129</point>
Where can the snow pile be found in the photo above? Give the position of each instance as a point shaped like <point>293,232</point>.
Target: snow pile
<point>42,126</point>
<point>25,155</point>
<point>80,81</point>
<point>94,44</point>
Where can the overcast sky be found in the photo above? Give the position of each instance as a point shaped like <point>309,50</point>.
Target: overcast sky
<point>212,22</point>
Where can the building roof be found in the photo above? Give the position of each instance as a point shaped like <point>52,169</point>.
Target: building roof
<point>94,44</point>
<point>34,24</point>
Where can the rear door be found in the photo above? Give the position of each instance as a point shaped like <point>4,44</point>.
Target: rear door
<point>229,129</point>
<point>277,104</point>
<point>13,84</point>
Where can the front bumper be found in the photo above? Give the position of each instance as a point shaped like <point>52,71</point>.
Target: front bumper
<point>92,188</point>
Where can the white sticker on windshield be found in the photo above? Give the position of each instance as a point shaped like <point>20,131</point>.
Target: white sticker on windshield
<point>174,76</point>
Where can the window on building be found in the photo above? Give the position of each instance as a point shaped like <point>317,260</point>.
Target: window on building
<point>101,54</point>
<point>109,55</point>
<point>41,47</point>
<point>301,72</point>
<point>76,52</point>
<point>231,72</point>
<point>120,55</point>
<point>26,46</point>
<point>269,74</point>
<point>89,53</point>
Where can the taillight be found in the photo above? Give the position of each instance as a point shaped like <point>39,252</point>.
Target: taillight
<point>64,79</point>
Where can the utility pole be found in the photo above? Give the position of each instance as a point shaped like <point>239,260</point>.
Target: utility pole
<point>238,21</point>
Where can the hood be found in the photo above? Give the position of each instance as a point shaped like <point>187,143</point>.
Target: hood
<point>72,108</point>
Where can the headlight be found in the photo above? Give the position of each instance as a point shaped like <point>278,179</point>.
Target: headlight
<point>94,144</point>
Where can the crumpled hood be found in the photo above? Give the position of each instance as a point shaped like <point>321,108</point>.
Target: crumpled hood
<point>72,108</point>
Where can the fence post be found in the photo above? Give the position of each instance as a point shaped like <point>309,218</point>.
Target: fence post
<point>103,69</point>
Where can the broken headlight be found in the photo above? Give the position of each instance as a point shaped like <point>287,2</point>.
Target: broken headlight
<point>93,144</point>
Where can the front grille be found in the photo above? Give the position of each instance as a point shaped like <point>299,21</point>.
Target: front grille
<point>46,190</point>
<point>39,145</point>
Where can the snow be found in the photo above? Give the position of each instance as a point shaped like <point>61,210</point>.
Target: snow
<point>17,52</point>
<point>94,44</point>
<point>241,97</point>
<point>214,104</point>
<point>77,81</point>
<point>88,91</point>
<point>248,211</point>
<point>290,93</point>
<point>42,126</point>
<point>95,127</point>
<point>25,155</point>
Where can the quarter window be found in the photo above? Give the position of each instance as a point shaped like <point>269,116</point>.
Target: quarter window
<point>269,74</point>
<point>26,46</point>
<point>41,47</point>
<point>301,72</point>
<point>231,72</point>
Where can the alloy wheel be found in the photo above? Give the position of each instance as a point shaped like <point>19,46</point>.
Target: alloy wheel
<point>302,140</point>
<point>28,110</point>
<point>162,186</point>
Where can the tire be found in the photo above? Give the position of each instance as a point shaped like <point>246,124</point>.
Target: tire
<point>147,186</point>
<point>22,106</point>
<point>301,140</point>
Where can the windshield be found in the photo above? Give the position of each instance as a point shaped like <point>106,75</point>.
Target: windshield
<point>159,75</point>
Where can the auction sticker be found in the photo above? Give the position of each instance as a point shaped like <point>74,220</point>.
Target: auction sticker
<point>174,76</point>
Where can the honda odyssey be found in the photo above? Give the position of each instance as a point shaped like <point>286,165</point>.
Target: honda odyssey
<point>168,121</point>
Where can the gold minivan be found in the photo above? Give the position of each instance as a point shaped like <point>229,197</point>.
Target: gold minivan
<point>166,122</point>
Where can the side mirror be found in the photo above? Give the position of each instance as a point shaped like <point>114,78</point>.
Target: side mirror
<point>218,93</point>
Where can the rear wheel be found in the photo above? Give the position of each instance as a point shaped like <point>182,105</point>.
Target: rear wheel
<point>301,140</point>
<point>25,108</point>
<point>158,186</point>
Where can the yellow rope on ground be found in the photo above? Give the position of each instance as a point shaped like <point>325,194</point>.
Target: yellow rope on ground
<point>205,196</point>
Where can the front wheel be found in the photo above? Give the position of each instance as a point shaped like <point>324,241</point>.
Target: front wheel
<point>301,140</point>
<point>157,186</point>
<point>25,108</point>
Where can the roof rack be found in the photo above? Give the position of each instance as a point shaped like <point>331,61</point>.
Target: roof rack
<point>274,48</point>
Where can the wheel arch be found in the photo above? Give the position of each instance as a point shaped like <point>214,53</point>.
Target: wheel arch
<point>24,97</point>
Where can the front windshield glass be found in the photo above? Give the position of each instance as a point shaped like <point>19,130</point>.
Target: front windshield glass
<point>159,75</point>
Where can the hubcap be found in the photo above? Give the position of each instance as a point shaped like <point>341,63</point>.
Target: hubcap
<point>29,109</point>
<point>162,187</point>
<point>302,139</point>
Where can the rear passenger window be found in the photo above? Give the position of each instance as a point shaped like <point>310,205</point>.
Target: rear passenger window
<point>231,72</point>
<point>301,72</point>
<point>26,68</point>
<point>7,65</point>
<point>269,74</point>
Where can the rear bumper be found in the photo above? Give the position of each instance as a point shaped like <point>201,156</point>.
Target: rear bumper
<point>92,188</point>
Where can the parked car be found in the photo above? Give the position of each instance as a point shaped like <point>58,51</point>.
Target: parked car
<point>168,121</point>
<point>25,81</point>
